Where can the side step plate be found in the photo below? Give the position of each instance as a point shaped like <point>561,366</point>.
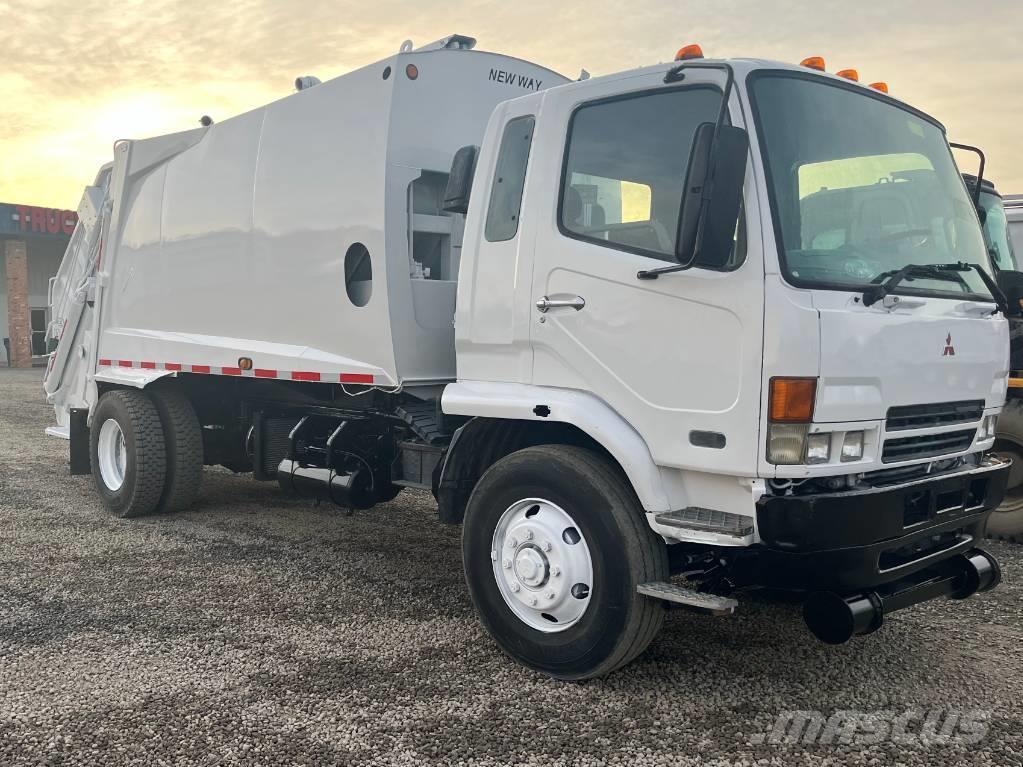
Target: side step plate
<point>695,599</point>
<point>707,521</point>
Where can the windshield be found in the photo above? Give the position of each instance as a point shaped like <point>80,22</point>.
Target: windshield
<point>996,232</point>
<point>861,187</point>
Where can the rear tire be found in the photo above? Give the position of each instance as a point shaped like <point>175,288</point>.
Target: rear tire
<point>126,450</point>
<point>183,438</point>
<point>582,498</point>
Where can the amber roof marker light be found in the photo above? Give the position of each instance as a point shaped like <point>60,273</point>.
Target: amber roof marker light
<point>849,74</point>
<point>687,52</point>
<point>813,62</point>
<point>883,87</point>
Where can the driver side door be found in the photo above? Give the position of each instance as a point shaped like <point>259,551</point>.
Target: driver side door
<point>679,357</point>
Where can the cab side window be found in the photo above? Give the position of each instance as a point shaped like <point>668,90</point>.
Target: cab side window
<point>624,169</point>
<point>509,180</point>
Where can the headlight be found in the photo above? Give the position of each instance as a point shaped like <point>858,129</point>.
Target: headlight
<point>987,428</point>
<point>818,448</point>
<point>852,446</point>
<point>785,443</point>
<point>790,412</point>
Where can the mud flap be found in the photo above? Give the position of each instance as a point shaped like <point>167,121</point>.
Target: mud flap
<point>79,443</point>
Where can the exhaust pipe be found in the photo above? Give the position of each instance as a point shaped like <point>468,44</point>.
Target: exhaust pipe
<point>836,619</point>
<point>981,573</point>
<point>350,489</point>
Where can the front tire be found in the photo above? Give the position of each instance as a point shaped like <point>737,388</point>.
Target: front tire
<point>554,544</point>
<point>127,453</point>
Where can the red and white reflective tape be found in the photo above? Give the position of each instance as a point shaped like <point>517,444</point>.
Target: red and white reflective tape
<point>281,375</point>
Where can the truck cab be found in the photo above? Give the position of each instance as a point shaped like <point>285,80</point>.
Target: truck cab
<point>813,386</point>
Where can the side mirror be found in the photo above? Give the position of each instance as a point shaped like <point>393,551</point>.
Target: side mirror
<point>1011,284</point>
<point>689,213</point>
<point>459,187</point>
<point>712,196</point>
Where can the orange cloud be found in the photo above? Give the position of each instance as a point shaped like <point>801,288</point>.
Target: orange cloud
<point>78,75</point>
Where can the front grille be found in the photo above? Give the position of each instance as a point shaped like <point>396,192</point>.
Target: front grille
<point>926,445</point>
<point>936,414</point>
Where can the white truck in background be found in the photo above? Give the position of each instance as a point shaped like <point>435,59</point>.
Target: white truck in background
<point>1014,218</point>
<point>730,320</point>
<point>998,216</point>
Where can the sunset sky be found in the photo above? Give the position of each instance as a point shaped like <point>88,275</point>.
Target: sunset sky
<point>75,76</point>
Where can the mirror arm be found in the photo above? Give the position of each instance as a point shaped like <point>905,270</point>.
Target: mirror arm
<point>980,171</point>
<point>653,274</point>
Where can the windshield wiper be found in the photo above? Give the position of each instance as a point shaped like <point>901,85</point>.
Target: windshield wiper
<point>886,282</point>
<point>996,292</point>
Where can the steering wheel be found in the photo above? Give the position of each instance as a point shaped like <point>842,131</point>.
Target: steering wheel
<point>855,264</point>
<point>859,268</point>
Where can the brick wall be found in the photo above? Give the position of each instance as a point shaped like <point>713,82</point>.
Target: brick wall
<point>19,320</point>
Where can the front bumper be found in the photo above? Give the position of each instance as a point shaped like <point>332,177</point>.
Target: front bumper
<point>859,539</point>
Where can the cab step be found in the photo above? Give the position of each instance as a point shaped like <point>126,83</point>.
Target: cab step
<point>707,521</point>
<point>697,600</point>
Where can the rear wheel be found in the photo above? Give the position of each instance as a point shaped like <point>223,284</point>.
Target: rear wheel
<point>554,544</point>
<point>1006,522</point>
<point>127,453</point>
<point>183,437</point>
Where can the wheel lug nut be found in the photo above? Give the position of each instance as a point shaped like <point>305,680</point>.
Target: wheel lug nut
<point>547,546</point>
<point>515,587</point>
<point>556,572</point>
<point>532,602</point>
<point>507,564</point>
<point>529,535</point>
<point>513,542</point>
<point>550,595</point>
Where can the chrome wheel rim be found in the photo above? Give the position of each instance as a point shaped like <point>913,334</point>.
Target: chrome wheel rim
<point>542,565</point>
<point>112,455</point>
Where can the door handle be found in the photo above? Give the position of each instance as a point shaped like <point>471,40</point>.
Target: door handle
<point>545,303</point>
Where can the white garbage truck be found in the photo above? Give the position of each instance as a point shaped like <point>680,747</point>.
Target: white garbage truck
<point>650,338</point>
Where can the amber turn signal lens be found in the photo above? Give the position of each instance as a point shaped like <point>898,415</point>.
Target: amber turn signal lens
<point>883,87</point>
<point>687,52</point>
<point>813,62</point>
<point>245,363</point>
<point>791,400</point>
<point>849,74</point>
<point>412,71</point>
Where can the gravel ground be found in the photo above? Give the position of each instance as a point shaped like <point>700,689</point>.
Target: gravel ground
<point>260,630</point>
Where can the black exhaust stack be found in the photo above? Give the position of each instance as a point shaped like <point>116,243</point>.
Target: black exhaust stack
<point>835,619</point>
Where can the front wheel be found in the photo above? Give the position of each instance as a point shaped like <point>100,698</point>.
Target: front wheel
<point>554,544</point>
